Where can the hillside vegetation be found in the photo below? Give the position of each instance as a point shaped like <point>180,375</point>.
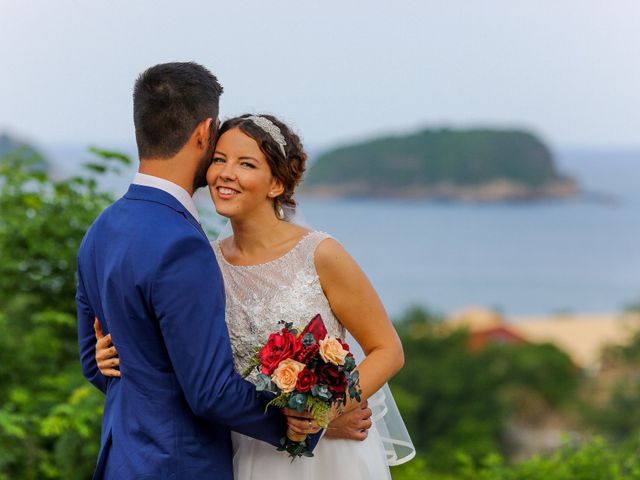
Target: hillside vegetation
<point>457,164</point>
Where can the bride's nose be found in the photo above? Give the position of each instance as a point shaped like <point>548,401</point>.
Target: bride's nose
<point>228,172</point>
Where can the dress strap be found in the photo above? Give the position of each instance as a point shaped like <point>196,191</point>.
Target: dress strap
<point>312,240</point>
<point>308,246</point>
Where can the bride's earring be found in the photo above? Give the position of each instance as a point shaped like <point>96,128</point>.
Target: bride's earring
<point>279,210</point>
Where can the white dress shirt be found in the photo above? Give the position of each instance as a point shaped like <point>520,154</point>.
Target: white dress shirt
<point>171,188</point>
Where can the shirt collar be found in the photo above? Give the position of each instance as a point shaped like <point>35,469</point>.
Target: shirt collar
<point>171,188</point>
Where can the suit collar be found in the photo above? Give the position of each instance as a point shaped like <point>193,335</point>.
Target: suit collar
<point>152,194</point>
<point>171,188</point>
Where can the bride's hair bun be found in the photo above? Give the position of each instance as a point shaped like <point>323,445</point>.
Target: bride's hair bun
<point>288,166</point>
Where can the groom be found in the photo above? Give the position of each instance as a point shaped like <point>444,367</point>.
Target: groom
<point>147,271</point>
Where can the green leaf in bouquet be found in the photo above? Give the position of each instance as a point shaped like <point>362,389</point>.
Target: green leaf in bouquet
<point>354,393</point>
<point>253,364</point>
<point>354,378</point>
<point>280,401</point>
<point>288,326</point>
<point>295,449</point>
<point>308,339</point>
<point>353,384</point>
<point>320,410</point>
<point>321,391</point>
<point>349,363</point>
<point>263,383</point>
<point>298,401</point>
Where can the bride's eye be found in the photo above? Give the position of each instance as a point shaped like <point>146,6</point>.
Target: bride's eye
<point>218,160</point>
<point>247,164</point>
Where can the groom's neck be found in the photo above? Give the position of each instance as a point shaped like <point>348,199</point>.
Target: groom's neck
<point>175,169</point>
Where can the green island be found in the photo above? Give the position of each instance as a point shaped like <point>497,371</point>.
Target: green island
<point>442,164</point>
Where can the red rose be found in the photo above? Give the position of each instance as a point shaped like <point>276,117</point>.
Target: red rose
<point>333,378</point>
<point>306,380</point>
<point>279,347</point>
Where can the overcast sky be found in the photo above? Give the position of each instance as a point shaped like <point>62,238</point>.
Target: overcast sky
<point>336,70</point>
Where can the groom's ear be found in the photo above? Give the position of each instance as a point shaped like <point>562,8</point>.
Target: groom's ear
<point>202,135</point>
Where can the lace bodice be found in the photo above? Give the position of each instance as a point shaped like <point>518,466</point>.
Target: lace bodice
<point>259,296</point>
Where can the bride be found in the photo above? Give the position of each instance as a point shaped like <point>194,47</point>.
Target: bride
<point>275,270</point>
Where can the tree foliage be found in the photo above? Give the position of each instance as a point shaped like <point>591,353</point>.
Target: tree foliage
<point>458,400</point>
<point>49,415</point>
<point>594,460</point>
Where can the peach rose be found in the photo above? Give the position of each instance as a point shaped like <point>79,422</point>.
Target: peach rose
<point>331,351</point>
<point>285,375</point>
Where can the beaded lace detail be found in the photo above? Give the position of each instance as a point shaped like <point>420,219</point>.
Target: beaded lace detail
<point>259,296</point>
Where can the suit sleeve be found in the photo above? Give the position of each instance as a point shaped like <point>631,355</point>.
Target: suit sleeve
<point>188,299</point>
<point>87,340</point>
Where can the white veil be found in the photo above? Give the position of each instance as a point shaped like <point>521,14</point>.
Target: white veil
<point>393,433</point>
<point>397,444</point>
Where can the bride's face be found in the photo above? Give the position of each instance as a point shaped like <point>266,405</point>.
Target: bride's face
<point>240,179</point>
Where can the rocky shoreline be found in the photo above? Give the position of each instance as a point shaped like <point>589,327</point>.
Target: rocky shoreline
<point>500,190</point>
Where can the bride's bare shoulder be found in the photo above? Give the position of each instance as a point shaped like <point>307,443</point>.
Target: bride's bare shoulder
<point>330,254</point>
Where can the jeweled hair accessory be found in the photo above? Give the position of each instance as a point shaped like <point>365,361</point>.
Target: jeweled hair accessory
<point>271,128</point>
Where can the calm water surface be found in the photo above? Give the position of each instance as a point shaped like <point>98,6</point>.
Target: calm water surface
<point>581,256</point>
<point>578,256</point>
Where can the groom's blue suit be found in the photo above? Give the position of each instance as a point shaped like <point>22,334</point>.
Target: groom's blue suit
<point>147,271</point>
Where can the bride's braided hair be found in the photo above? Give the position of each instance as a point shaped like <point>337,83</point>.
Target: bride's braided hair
<point>289,167</point>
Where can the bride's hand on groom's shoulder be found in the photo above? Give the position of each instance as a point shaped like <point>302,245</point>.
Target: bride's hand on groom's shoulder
<point>352,425</point>
<point>106,354</point>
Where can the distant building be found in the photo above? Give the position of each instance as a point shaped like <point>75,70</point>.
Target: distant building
<point>501,334</point>
<point>485,327</point>
<point>581,336</point>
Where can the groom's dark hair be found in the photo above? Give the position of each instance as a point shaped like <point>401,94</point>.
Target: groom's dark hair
<point>169,101</point>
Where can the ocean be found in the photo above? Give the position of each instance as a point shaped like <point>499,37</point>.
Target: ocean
<point>522,259</point>
<point>576,256</point>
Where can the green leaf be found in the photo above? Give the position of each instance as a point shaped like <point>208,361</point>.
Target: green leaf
<point>251,366</point>
<point>320,409</point>
<point>111,155</point>
<point>281,401</point>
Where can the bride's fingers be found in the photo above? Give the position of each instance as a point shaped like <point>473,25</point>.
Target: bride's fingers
<point>111,373</point>
<point>365,424</point>
<point>103,342</point>
<point>109,363</point>
<point>97,328</point>
<point>105,353</point>
<point>366,413</point>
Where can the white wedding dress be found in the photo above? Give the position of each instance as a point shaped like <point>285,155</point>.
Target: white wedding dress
<point>257,298</point>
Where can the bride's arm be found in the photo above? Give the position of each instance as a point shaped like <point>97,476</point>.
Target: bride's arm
<point>358,307</point>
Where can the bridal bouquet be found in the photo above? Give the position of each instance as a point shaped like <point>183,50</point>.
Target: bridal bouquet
<point>306,370</point>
